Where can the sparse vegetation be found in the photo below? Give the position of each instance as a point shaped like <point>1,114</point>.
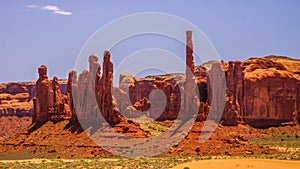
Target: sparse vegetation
<point>155,127</point>
<point>288,146</point>
<point>279,141</point>
<point>122,163</point>
<point>157,162</point>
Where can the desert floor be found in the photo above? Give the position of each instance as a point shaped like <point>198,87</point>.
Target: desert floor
<point>240,164</point>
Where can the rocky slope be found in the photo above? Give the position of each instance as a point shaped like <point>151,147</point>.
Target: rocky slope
<point>11,125</point>
<point>58,140</point>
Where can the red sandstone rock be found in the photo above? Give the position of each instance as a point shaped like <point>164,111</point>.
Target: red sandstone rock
<point>142,105</point>
<point>298,101</point>
<point>235,93</point>
<point>13,88</point>
<point>231,115</point>
<point>270,95</point>
<point>216,85</point>
<point>105,100</point>
<point>42,101</point>
<point>265,96</point>
<point>72,86</point>
<point>48,104</point>
<point>190,95</point>
<point>139,92</point>
<point>189,52</point>
<point>203,112</point>
<point>262,92</point>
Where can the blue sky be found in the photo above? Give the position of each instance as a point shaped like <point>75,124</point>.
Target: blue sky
<point>35,32</point>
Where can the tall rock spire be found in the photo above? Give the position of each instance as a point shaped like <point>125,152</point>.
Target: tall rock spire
<point>190,101</point>
<point>189,52</point>
<point>43,99</point>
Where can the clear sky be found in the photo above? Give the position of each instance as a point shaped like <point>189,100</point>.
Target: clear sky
<point>35,32</point>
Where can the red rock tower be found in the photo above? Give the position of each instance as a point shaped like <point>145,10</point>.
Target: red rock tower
<point>190,91</point>
<point>189,52</point>
<point>41,102</point>
<point>48,103</point>
<point>105,101</point>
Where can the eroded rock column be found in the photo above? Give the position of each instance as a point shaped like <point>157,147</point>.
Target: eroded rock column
<point>190,101</point>
<point>42,102</point>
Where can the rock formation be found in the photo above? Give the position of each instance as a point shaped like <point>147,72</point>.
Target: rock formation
<point>216,91</point>
<point>235,92</point>
<point>92,93</point>
<point>191,98</point>
<point>261,92</point>
<point>83,92</point>
<point>48,104</point>
<point>72,85</point>
<point>104,92</point>
<point>43,97</point>
<point>298,101</point>
<point>16,99</point>
<point>270,94</point>
<point>190,66</point>
<point>140,90</point>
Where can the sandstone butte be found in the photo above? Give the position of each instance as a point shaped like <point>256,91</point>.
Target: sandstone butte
<point>261,92</point>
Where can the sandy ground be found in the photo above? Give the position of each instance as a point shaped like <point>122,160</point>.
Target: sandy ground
<point>42,160</point>
<point>240,164</point>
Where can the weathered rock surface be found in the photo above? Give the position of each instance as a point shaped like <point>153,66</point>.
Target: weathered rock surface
<point>271,92</point>
<point>235,93</point>
<point>49,103</point>
<point>140,91</point>
<point>262,92</point>
<point>104,96</point>
<point>15,99</point>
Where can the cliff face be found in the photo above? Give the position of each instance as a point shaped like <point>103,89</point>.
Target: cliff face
<point>263,92</point>
<point>165,106</point>
<point>271,92</point>
<point>235,94</point>
<point>16,99</point>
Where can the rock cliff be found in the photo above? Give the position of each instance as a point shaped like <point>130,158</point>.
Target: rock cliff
<point>271,92</point>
